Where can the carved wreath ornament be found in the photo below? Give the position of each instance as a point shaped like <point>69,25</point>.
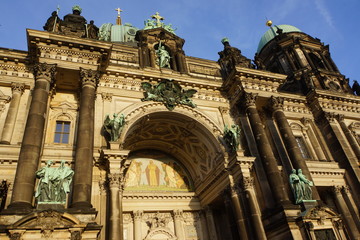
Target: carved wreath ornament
<point>168,92</point>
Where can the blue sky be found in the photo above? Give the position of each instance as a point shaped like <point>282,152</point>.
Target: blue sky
<point>204,23</point>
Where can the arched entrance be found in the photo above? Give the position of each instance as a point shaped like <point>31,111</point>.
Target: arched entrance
<point>170,154</point>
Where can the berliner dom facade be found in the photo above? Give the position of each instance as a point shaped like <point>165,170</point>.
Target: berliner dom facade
<point>113,132</point>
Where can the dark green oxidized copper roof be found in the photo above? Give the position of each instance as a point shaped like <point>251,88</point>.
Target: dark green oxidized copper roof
<point>271,33</point>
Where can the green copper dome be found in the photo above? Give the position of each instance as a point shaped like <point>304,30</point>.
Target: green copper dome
<point>271,33</point>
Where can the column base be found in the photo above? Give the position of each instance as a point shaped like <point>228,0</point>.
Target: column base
<point>5,142</point>
<point>81,207</point>
<point>18,208</point>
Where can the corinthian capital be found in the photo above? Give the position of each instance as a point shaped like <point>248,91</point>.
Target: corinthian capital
<point>44,71</point>
<point>249,99</point>
<point>17,87</point>
<point>89,77</point>
<point>276,103</point>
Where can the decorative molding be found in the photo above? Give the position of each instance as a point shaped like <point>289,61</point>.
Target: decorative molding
<point>124,56</point>
<point>200,69</point>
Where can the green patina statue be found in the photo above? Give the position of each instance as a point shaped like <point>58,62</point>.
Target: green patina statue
<point>163,57</point>
<point>156,23</point>
<point>54,183</point>
<point>168,92</point>
<point>300,186</point>
<point>114,126</point>
<point>232,137</point>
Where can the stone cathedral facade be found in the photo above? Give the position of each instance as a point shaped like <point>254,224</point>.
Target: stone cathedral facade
<point>205,150</point>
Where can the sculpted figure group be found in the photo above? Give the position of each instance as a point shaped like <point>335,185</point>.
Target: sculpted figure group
<point>300,186</point>
<point>54,183</point>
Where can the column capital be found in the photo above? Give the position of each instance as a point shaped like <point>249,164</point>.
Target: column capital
<point>306,121</point>
<point>276,103</point>
<point>89,78</point>
<point>138,215</point>
<point>106,97</point>
<point>178,214</point>
<point>248,99</point>
<point>340,117</point>
<point>17,87</point>
<point>44,71</point>
<point>247,182</point>
<point>337,189</point>
<point>115,179</point>
<point>330,116</point>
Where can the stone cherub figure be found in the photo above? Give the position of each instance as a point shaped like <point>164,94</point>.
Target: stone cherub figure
<point>114,126</point>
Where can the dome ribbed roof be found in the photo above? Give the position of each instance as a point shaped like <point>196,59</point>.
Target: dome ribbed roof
<point>271,33</point>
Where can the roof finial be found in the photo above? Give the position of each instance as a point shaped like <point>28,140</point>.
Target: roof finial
<point>158,18</point>
<point>269,23</point>
<point>118,19</point>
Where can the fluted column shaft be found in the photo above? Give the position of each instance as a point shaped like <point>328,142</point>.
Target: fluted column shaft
<point>346,215</point>
<point>28,163</point>
<point>178,225</point>
<point>137,225</point>
<point>17,91</point>
<point>248,186</point>
<point>85,141</point>
<point>298,162</point>
<point>239,213</point>
<point>265,151</point>
<point>115,232</point>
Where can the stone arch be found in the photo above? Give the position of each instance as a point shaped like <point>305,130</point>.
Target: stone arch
<point>160,231</point>
<point>185,132</point>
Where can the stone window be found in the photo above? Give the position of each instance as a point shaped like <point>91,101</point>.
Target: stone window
<point>303,148</point>
<point>62,132</point>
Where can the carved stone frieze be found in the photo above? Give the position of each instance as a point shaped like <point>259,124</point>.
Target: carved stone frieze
<point>44,71</point>
<point>89,77</point>
<point>124,56</point>
<point>18,70</point>
<point>194,68</point>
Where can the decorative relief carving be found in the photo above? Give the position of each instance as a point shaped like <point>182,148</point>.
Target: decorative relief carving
<point>124,56</point>
<point>330,116</point>
<point>44,71</point>
<point>75,235</point>
<point>138,215</point>
<point>247,182</point>
<point>204,70</point>
<point>337,189</point>
<point>48,219</point>
<point>16,235</point>
<point>178,214</point>
<point>89,77</point>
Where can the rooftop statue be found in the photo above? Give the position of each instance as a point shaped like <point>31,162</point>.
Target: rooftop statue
<point>114,126</point>
<point>53,23</point>
<point>232,137</point>
<point>163,57</point>
<point>92,31</point>
<point>54,183</point>
<point>105,31</point>
<point>74,23</point>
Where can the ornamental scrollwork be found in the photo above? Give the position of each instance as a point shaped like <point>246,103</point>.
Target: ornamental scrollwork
<point>168,92</point>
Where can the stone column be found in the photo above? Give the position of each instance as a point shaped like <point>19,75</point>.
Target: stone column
<point>265,151</point>
<point>239,213</point>
<point>17,91</point>
<point>276,105</point>
<point>179,230</point>
<point>345,213</point>
<point>204,226</point>
<point>352,141</point>
<point>248,187</point>
<point>28,163</point>
<point>115,217</point>
<point>210,223</point>
<point>81,198</point>
<point>118,165</point>
<point>137,224</point>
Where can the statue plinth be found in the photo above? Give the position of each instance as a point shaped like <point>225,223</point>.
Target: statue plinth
<point>114,145</point>
<point>50,205</point>
<point>308,204</point>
